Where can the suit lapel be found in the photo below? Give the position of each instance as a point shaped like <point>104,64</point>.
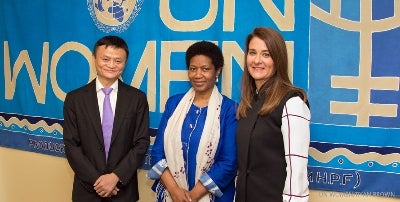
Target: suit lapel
<point>93,109</point>
<point>120,109</point>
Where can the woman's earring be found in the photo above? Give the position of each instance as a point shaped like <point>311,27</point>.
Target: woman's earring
<point>216,79</point>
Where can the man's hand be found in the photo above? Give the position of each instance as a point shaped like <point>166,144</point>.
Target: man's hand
<point>105,185</point>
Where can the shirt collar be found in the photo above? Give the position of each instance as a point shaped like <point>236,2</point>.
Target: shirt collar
<point>99,86</point>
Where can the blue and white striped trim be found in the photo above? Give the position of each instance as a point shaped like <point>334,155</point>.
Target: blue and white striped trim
<point>156,171</point>
<point>210,185</point>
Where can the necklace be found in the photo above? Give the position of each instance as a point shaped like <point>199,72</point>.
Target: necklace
<point>198,113</point>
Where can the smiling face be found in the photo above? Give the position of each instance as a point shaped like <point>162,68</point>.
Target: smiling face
<point>259,61</point>
<point>202,74</point>
<point>110,62</point>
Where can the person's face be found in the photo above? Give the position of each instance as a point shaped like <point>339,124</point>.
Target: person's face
<point>110,63</point>
<point>259,61</point>
<point>202,74</point>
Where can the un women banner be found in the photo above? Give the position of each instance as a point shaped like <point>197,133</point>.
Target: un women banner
<point>343,53</point>
<point>354,90</point>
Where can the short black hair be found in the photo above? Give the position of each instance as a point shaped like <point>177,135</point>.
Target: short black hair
<point>114,41</point>
<point>208,49</point>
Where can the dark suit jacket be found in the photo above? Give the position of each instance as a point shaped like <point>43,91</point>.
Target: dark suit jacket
<point>84,145</point>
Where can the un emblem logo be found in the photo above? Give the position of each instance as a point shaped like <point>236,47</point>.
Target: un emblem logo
<point>115,15</point>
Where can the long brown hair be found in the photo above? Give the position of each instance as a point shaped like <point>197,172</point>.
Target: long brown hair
<point>278,85</point>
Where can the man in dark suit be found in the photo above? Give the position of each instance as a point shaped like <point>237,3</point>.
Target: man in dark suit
<point>106,167</point>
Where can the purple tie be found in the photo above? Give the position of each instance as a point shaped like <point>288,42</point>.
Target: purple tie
<point>108,119</point>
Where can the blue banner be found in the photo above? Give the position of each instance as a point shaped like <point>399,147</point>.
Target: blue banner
<point>354,93</point>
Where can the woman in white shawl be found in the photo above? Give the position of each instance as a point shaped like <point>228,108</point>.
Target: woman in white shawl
<point>194,153</point>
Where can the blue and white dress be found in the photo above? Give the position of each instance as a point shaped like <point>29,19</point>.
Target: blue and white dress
<point>219,179</point>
